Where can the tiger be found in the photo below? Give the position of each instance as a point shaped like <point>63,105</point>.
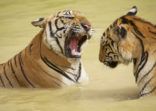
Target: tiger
<point>53,57</point>
<point>132,39</point>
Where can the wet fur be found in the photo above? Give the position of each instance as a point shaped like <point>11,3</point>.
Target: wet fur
<point>138,46</point>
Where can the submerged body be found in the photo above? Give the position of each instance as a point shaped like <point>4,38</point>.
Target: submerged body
<point>131,38</point>
<point>45,62</point>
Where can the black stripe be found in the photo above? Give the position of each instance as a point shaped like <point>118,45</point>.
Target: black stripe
<point>52,35</point>
<point>58,28</point>
<point>143,21</point>
<point>144,57</point>
<point>53,78</point>
<point>126,21</point>
<point>13,71</point>
<point>109,47</point>
<point>58,14</point>
<point>142,64</point>
<point>69,12</point>
<point>22,70</point>
<point>118,49</point>
<point>2,81</point>
<point>148,92</point>
<point>145,85</point>
<point>107,30</point>
<point>62,21</point>
<point>104,34</point>
<point>110,53</point>
<point>152,32</point>
<point>50,28</point>
<point>134,61</point>
<point>116,57</point>
<point>7,76</point>
<point>112,43</point>
<point>49,66</point>
<point>141,42</point>
<point>79,73</point>
<point>58,36</point>
<point>58,43</point>
<point>136,30</point>
<point>30,48</point>
<point>52,66</point>
<point>147,73</point>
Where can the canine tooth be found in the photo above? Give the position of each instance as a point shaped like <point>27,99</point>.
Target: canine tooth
<point>74,52</point>
<point>78,53</point>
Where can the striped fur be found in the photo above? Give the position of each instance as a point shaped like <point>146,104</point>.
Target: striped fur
<point>131,38</point>
<point>45,62</point>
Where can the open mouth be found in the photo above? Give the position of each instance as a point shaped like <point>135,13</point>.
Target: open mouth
<point>74,44</point>
<point>111,64</point>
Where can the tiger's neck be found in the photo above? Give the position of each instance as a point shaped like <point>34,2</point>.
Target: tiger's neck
<point>144,71</point>
<point>59,60</point>
<point>69,68</point>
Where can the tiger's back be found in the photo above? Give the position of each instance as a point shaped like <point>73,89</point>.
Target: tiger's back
<point>26,69</point>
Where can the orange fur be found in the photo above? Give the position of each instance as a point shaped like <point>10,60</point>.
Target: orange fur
<point>41,66</point>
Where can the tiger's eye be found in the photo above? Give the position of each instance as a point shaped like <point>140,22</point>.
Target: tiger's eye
<point>121,32</point>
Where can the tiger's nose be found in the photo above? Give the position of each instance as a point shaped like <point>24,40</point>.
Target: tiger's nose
<point>86,27</point>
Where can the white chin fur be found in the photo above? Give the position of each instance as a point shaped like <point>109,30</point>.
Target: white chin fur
<point>91,32</point>
<point>127,56</point>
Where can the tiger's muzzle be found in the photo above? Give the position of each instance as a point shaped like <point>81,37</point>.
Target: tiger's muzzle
<point>108,61</point>
<point>76,38</point>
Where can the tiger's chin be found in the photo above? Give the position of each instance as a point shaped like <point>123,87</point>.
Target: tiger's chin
<point>73,45</point>
<point>111,64</point>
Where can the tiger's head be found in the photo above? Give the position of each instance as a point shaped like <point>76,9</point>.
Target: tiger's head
<point>65,32</point>
<point>119,43</point>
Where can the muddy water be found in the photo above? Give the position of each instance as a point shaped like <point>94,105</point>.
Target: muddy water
<point>108,89</point>
<point>103,93</point>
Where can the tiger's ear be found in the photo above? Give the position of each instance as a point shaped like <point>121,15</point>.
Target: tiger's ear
<point>133,11</point>
<point>40,22</point>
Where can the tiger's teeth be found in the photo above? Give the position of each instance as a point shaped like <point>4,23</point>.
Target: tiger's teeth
<point>74,52</point>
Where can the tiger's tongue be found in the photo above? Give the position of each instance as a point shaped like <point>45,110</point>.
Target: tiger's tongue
<point>74,46</point>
